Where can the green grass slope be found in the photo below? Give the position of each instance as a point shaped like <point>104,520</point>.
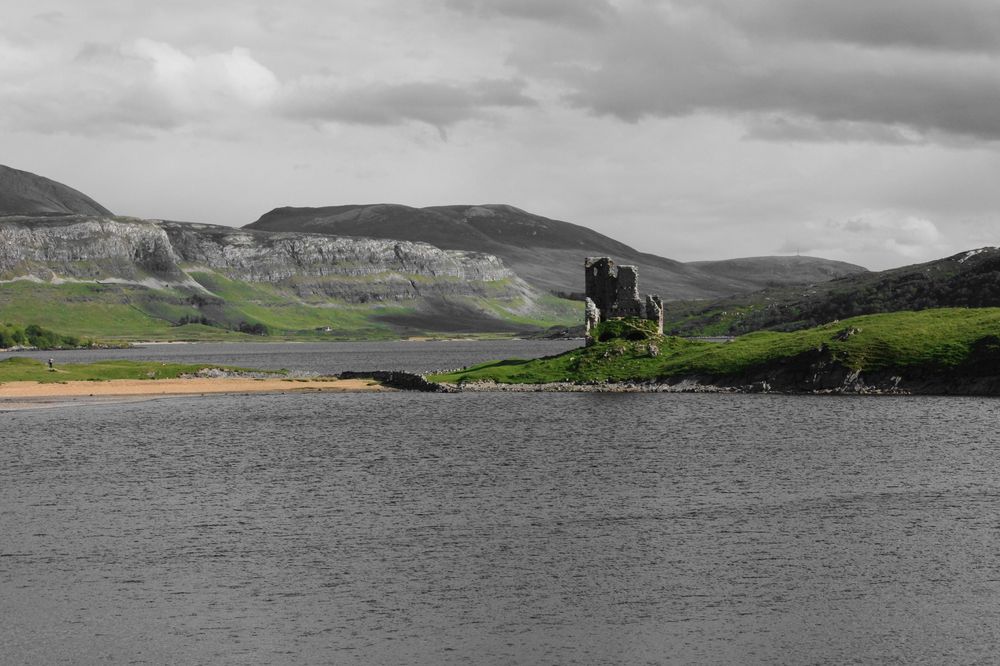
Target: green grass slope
<point>21,369</point>
<point>254,311</point>
<point>969,279</point>
<point>933,340</point>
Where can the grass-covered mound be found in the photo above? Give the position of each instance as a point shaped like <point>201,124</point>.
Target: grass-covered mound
<point>928,341</point>
<point>22,369</point>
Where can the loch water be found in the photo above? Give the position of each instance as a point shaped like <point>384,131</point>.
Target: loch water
<point>322,357</point>
<point>408,528</point>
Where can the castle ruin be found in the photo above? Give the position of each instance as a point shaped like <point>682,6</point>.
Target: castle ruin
<point>613,293</point>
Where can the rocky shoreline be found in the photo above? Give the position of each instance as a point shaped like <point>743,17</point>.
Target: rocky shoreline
<point>815,372</point>
<point>980,386</point>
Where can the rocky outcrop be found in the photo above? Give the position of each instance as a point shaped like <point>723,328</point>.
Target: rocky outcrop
<point>86,248</point>
<point>350,269</point>
<point>406,381</point>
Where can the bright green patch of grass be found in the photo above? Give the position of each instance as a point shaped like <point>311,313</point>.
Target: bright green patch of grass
<point>236,291</point>
<point>547,311</point>
<point>90,310</point>
<point>20,369</point>
<point>115,312</point>
<point>342,321</point>
<point>286,315</point>
<point>934,339</point>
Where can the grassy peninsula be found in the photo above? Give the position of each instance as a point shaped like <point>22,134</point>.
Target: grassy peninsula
<point>954,342</point>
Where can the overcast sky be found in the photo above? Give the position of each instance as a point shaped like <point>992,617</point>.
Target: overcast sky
<point>864,131</point>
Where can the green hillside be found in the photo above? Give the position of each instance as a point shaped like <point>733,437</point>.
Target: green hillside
<point>932,340</point>
<point>970,279</point>
<point>249,311</point>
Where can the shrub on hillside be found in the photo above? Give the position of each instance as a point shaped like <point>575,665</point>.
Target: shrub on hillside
<point>34,335</point>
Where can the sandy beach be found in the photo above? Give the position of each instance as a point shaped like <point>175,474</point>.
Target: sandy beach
<point>21,395</point>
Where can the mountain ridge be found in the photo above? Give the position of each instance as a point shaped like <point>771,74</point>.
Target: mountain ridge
<point>26,193</point>
<point>547,253</point>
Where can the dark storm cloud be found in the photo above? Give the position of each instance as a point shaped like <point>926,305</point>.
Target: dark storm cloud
<point>681,59</point>
<point>439,104</point>
<point>580,13</point>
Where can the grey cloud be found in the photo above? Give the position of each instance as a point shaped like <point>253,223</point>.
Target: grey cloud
<point>778,127</point>
<point>855,225</point>
<point>871,237</point>
<point>52,18</point>
<point>438,104</point>
<point>139,89</point>
<point>96,51</point>
<point>133,112</point>
<point>661,66</point>
<point>577,13</point>
<point>959,25</point>
<point>98,91</point>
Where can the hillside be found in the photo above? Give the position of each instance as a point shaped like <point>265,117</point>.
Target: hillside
<point>546,253</point>
<point>115,277</point>
<point>762,272</point>
<point>942,351</point>
<point>968,279</point>
<point>24,193</point>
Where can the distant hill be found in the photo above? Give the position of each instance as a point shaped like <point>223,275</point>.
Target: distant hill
<point>546,253</point>
<point>763,272</point>
<point>24,193</point>
<point>968,279</point>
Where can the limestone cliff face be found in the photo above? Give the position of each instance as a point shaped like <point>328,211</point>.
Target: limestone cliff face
<point>275,256</point>
<point>85,248</point>
<point>351,269</point>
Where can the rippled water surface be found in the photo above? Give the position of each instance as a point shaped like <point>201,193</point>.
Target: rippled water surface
<point>323,357</point>
<point>502,528</point>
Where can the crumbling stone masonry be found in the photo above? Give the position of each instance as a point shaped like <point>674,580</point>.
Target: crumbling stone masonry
<point>613,292</point>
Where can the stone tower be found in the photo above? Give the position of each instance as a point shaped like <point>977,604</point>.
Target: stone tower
<point>613,292</point>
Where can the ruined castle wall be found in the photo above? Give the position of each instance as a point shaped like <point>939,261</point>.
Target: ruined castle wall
<point>627,303</point>
<point>601,282</point>
<point>613,292</point>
